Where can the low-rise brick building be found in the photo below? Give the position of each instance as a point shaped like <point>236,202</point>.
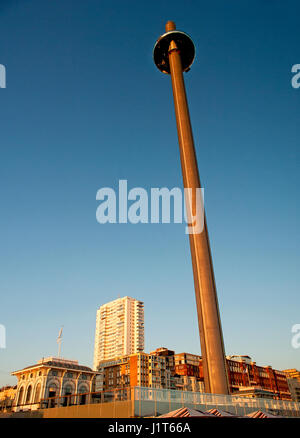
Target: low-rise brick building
<point>244,373</point>
<point>139,369</point>
<point>165,369</point>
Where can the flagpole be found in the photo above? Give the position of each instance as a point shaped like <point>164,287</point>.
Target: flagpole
<point>59,340</point>
<point>59,347</point>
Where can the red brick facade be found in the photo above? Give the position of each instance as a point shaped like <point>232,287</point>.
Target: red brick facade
<point>242,374</point>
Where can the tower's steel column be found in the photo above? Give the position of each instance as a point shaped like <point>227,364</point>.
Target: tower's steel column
<point>174,53</point>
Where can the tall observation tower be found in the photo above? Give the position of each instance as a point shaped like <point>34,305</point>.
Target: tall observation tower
<point>174,54</point>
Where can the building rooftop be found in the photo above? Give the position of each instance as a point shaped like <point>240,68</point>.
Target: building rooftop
<point>7,387</point>
<point>58,363</point>
<point>240,358</point>
<point>121,299</point>
<point>58,360</point>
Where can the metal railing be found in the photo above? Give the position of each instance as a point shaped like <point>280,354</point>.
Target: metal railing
<point>154,402</point>
<point>119,394</point>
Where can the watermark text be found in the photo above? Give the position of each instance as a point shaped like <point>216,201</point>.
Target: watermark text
<point>2,336</point>
<point>296,78</point>
<point>296,338</point>
<point>2,76</point>
<point>158,205</point>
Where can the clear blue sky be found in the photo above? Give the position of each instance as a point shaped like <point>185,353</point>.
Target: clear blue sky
<point>84,107</point>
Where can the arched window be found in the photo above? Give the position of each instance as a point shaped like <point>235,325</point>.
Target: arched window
<point>20,398</point>
<point>68,390</point>
<point>82,394</point>
<point>52,393</point>
<point>37,395</point>
<point>28,396</point>
<point>83,388</point>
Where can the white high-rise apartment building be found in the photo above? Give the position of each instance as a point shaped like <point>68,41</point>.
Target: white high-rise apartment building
<point>119,329</point>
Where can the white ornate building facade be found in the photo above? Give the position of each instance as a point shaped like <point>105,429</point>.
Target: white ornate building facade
<point>63,381</point>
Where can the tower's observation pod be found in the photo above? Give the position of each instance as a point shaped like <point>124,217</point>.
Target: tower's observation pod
<point>184,45</point>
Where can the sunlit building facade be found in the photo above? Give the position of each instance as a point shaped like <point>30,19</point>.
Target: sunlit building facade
<point>55,378</point>
<point>139,369</point>
<point>7,396</point>
<point>292,373</point>
<point>245,377</point>
<point>119,329</point>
